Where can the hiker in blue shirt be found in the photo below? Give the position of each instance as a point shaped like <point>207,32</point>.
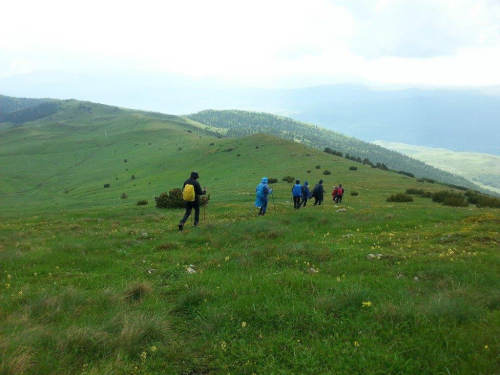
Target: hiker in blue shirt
<point>262,191</point>
<point>305,194</point>
<point>297,194</point>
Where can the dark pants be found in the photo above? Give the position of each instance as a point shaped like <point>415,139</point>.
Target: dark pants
<point>189,208</point>
<point>296,202</point>
<point>263,208</point>
<point>317,201</point>
<point>303,202</point>
<point>339,198</point>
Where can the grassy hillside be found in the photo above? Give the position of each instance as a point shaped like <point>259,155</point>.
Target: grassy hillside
<point>482,169</point>
<point>10,104</point>
<point>239,123</point>
<point>94,284</point>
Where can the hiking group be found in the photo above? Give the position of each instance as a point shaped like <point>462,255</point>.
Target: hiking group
<point>191,192</point>
<point>300,194</point>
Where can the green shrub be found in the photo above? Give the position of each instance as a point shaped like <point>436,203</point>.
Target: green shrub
<point>272,180</point>
<point>318,167</point>
<point>326,172</point>
<point>288,179</point>
<point>420,180</point>
<point>482,200</point>
<point>440,196</point>
<point>124,196</point>
<point>171,200</point>
<point>142,202</point>
<point>400,197</point>
<point>308,171</point>
<point>353,168</point>
<point>354,193</point>
<point>458,201</point>
<point>406,173</point>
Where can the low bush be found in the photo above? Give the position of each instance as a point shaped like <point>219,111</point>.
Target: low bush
<point>288,179</point>
<point>142,202</point>
<point>124,196</point>
<point>440,196</point>
<point>318,167</point>
<point>308,171</point>
<point>400,197</point>
<point>482,200</point>
<point>457,201</point>
<point>326,172</point>
<point>353,168</point>
<point>354,193</point>
<point>171,200</point>
<point>406,173</point>
<point>272,180</point>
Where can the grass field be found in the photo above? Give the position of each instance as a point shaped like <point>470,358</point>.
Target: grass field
<point>94,284</point>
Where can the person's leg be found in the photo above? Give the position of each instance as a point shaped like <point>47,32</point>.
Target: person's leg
<point>339,199</point>
<point>196,207</point>
<point>189,207</point>
<point>305,201</point>
<point>264,207</point>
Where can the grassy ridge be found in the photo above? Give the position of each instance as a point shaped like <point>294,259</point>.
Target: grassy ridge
<point>240,123</point>
<point>91,283</point>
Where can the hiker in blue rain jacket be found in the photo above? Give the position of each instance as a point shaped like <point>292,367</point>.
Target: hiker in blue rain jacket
<point>297,194</point>
<point>306,194</point>
<point>262,191</point>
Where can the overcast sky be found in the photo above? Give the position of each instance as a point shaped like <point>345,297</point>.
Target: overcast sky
<point>260,42</point>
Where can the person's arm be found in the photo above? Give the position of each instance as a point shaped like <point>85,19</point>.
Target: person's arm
<point>197,189</point>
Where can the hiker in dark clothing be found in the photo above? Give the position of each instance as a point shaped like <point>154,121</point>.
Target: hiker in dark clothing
<point>340,192</point>
<point>318,193</point>
<point>192,180</point>
<point>261,193</point>
<point>305,194</point>
<point>297,194</point>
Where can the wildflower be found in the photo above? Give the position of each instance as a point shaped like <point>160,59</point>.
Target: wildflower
<point>338,279</point>
<point>367,304</point>
<point>356,344</point>
<point>226,258</point>
<point>486,347</point>
<point>243,324</point>
<point>143,356</point>
<point>9,277</point>
<point>153,348</point>
<point>7,286</point>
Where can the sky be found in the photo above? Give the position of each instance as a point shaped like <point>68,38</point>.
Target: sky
<point>265,43</point>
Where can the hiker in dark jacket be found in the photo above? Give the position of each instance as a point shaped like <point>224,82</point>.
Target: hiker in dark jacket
<point>296,193</point>
<point>192,180</point>
<point>261,192</point>
<point>305,194</point>
<point>318,193</point>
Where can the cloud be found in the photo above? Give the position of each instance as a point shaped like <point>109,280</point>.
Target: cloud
<point>424,28</point>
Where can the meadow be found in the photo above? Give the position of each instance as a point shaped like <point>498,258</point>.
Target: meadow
<point>95,284</point>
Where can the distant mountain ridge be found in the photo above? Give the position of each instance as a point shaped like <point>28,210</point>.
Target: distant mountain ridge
<point>235,123</point>
<point>456,119</point>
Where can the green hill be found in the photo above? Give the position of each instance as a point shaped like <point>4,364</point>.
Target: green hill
<point>239,123</point>
<point>482,169</point>
<point>93,283</point>
<point>10,104</point>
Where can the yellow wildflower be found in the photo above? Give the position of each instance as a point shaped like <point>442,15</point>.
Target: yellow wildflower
<point>367,304</point>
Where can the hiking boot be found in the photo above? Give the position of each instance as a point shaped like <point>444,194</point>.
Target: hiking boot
<point>181,226</point>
